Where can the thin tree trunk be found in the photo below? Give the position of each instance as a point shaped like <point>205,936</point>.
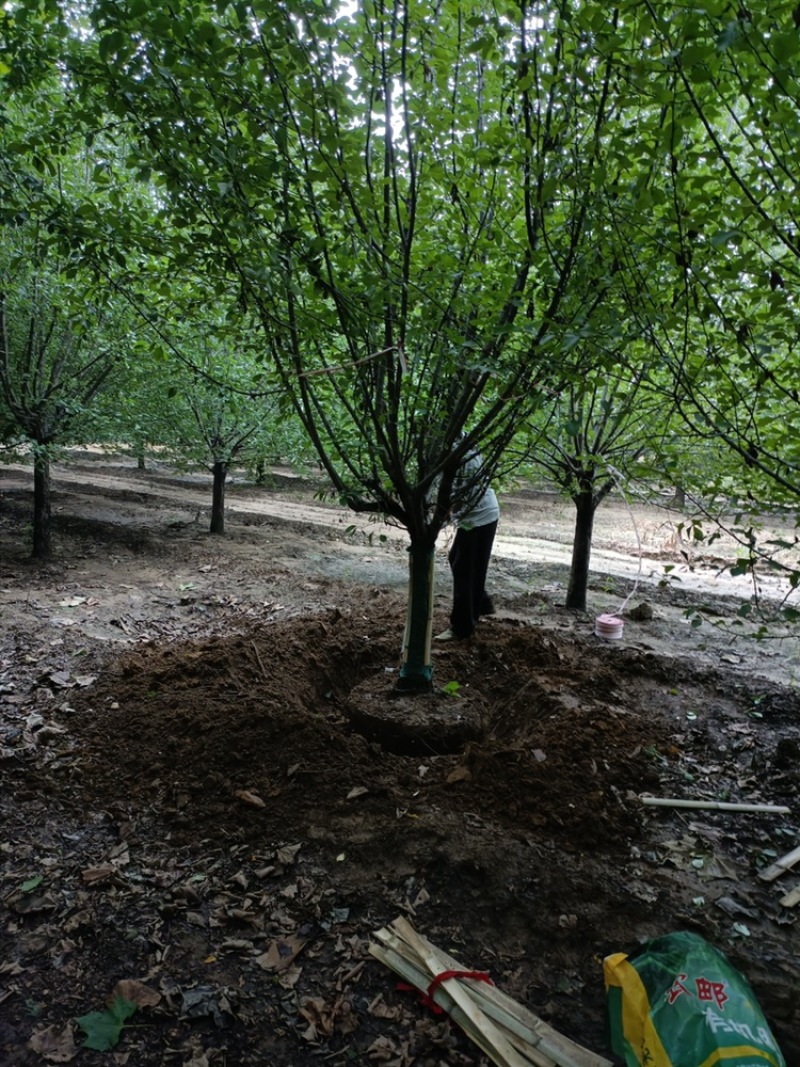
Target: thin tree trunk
<point>218,498</point>
<point>679,498</point>
<point>416,672</point>
<point>42,546</point>
<point>585,508</point>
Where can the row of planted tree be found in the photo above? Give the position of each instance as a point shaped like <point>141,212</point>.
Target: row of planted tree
<point>567,227</point>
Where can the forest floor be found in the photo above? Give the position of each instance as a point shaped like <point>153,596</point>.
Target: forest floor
<point>210,796</point>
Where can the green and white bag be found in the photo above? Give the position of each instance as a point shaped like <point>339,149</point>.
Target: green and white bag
<point>679,1003</point>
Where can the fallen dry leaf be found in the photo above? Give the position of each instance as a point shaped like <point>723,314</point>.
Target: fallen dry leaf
<point>281,953</point>
<point>289,978</point>
<point>56,1044</point>
<point>97,875</point>
<point>236,943</point>
<point>384,1051</point>
<point>421,898</point>
<point>205,1001</point>
<point>381,1010</point>
<point>319,1016</point>
<point>136,992</point>
<point>253,799</point>
<point>31,903</point>
<point>61,679</point>
<point>77,920</point>
<point>199,1059</point>
<point>287,854</point>
<point>458,774</point>
<point>357,791</point>
<point>11,967</point>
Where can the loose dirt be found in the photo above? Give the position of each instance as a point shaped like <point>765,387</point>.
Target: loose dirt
<point>209,789</point>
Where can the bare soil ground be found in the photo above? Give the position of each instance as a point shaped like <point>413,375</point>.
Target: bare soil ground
<point>208,789</point>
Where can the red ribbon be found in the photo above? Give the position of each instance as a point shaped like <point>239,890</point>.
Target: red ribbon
<point>445,976</point>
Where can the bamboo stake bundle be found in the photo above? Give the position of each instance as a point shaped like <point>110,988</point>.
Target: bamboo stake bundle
<point>505,1031</point>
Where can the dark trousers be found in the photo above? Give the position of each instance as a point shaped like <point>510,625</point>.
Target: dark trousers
<point>469,562</point>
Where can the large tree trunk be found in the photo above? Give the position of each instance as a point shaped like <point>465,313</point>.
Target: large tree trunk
<point>220,471</point>
<point>416,672</point>
<point>42,547</point>
<point>585,508</point>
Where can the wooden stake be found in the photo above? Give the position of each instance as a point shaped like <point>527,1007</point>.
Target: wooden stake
<point>715,805</point>
<point>785,863</point>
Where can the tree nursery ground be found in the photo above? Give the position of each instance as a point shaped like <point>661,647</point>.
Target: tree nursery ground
<point>210,796</point>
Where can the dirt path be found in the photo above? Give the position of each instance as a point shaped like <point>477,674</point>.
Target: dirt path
<point>631,540</point>
<point>638,553</point>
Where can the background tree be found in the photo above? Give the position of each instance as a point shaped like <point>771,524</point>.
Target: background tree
<point>588,441</point>
<point>717,281</point>
<point>213,415</point>
<point>56,354</point>
<point>713,277</point>
<point>61,335</point>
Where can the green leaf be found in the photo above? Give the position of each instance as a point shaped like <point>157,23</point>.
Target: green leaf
<point>110,45</point>
<point>103,1028</point>
<point>31,884</point>
<point>730,35</point>
<point>785,45</point>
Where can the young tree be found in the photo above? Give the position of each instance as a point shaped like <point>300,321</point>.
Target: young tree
<point>61,335</point>
<point>56,354</point>
<point>213,414</point>
<point>590,438</point>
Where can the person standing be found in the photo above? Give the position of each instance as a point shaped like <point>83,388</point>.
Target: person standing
<point>476,514</point>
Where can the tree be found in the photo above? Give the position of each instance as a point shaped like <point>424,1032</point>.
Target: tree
<point>710,188</point>
<point>402,194</point>
<point>61,335</point>
<point>56,354</point>
<point>718,286</point>
<point>216,409</point>
<point>593,434</point>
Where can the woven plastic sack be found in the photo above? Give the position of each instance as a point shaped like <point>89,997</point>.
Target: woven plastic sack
<point>679,1003</point>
